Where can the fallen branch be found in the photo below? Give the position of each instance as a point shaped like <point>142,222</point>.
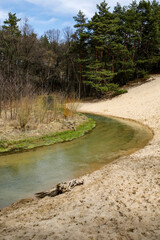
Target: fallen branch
<point>60,188</point>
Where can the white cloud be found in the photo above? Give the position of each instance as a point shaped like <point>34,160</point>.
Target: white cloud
<point>68,6</point>
<point>40,26</point>
<point>35,20</point>
<point>88,7</point>
<point>3,15</point>
<point>44,14</point>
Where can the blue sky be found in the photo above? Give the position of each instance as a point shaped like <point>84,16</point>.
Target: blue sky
<point>48,14</point>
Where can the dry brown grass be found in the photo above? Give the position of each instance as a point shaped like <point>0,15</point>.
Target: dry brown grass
<point>27,113</point>
<point>24,110</point>
<point>70,106</point>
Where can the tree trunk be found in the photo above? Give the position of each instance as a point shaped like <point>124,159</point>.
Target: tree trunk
<point>134,47</point>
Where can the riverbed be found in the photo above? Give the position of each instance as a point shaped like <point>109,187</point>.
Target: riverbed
<point>23,174</point>
<point>119,201</point>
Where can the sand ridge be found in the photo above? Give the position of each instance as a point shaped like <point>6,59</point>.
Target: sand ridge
<point>121,201</point>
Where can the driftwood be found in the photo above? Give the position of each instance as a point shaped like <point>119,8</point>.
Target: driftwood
<point>60,188</point>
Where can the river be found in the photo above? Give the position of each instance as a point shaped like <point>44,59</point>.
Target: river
<point>23,174</point>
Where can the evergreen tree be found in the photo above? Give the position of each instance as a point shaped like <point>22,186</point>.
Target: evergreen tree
<point>148,50</point>
<point>126,38</point>
<point>80,39</point>
<point>100,71</point>
<point>11,25</point>
<point>109,50</point>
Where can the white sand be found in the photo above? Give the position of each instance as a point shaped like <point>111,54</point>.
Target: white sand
<point>121,201</point>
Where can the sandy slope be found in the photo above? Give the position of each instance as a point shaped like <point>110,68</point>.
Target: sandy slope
<point>121,201</point>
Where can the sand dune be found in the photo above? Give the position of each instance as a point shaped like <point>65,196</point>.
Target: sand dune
<point>121,201</point>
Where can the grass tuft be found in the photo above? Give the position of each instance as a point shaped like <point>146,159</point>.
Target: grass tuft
<point>59,137</point>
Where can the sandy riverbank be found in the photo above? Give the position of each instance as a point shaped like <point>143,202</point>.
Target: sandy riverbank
<point>121,201</point>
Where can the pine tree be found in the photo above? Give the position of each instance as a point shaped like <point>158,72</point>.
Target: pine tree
<point>11,25</point>
<point>150,37</point>
<point>100,71</point>
<point>126,38</point>
<point>80,43</point>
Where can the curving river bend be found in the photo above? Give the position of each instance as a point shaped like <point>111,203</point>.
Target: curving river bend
<point>23,174</point>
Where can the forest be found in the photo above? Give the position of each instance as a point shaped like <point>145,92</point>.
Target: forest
<point>98,56</point>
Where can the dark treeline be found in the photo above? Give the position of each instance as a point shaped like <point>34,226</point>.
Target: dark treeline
<point>99,56</point>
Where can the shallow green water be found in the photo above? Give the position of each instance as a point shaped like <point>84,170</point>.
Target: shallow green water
<point>24,174</point>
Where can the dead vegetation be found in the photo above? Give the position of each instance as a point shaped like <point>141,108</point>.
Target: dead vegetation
<point>38,115</point>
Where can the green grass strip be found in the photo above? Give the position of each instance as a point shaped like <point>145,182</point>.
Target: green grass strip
<point>59,137</point>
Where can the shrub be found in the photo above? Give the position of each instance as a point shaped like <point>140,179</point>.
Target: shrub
<point>24,111</point>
